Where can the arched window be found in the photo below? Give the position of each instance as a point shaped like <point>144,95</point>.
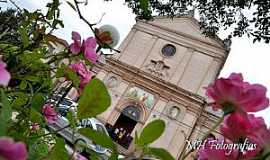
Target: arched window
<point>132,112</point>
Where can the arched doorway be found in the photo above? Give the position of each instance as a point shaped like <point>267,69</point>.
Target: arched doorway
<point>125,124</point>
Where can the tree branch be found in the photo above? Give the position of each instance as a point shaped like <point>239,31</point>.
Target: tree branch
<point>91,26</point>
<point>11,1</point>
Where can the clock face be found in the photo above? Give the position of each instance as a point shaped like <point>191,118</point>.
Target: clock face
<point>168,50</point>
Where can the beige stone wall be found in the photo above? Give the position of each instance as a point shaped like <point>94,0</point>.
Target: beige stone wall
<point>197,63</point>
<point>138,49</point>
<point>173,139</point>
<point>177,129</point>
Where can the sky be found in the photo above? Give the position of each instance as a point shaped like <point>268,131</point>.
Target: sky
<point>252,60</point>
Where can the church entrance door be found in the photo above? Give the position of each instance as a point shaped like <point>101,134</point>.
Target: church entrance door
<point>124,126</point>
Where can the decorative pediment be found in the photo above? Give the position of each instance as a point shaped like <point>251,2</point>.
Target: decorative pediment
<point>188,26</point>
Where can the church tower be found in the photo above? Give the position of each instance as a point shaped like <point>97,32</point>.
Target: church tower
<point>160,74</point>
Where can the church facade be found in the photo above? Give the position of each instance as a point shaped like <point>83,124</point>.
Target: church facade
<point>160,74</point>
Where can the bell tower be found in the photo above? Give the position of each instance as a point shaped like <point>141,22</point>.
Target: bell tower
<point>160,73</point>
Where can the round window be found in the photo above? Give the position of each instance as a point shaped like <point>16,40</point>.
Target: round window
<point>168,50</point>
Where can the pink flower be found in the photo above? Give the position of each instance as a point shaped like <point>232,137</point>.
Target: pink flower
<point>4,74</point>
<point>11,150</point>
<point>85,80</point>
<point>84,74</point>
<point>261,134</point>
<point>75,47</point>
<point>236,126</point>
<point>250,153</point>
<point>80,157</point>
<point>213,151</point>
<point>263,137</point>
<point>49,114</point>
<point>240,127</point>
<point>89,47</point>
<point>233,94</point>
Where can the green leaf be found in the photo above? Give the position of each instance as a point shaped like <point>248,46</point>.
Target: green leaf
<point>70,74</point>
<point>23,85</point>
<point>98,137</point>
<point>144,4</point>
<point>5,114</point>
<point>32,78</point>
<point>58,151</point>
<point>20,100</point>
<point>71,5</point>
<point>160,153</point>
<point>38,101</point>
<point>151,132</point>
<point>60,72</point>
<point>30,57</point>
<point>94,100</point>
<point>24,36</point>
<point>37,151</point>
<point>46,83</point>
<point>57,22</point>
<point>36,116</point>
